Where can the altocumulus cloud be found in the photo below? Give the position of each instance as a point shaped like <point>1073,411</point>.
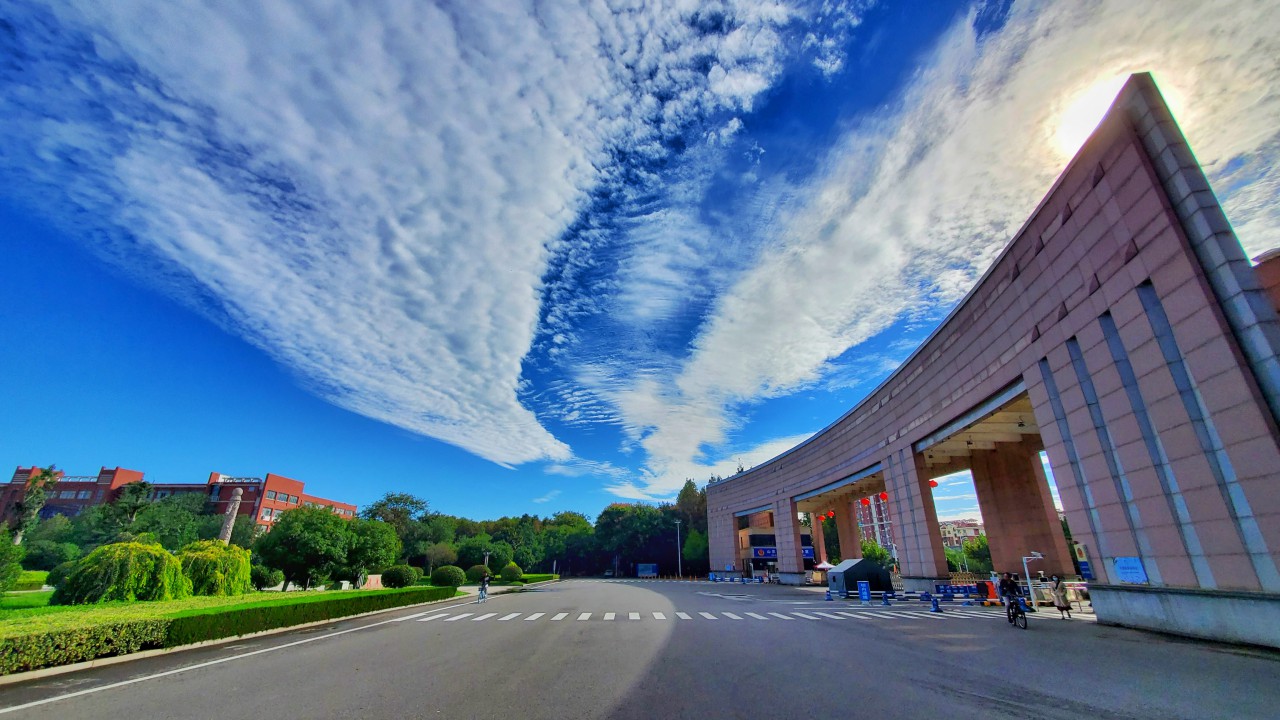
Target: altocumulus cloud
<point>369,192</point>
<point>916,200</point>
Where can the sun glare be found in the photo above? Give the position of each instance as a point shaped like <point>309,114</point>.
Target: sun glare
<point>1084,112</point>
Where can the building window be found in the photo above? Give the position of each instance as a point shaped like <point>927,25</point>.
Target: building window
<point>266,513</point>
<point>293,499</point>
<point>66,494</point>
<point>83,495</point>
<point>271,494</point>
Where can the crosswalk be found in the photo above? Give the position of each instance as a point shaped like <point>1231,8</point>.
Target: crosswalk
<point>615,616</point>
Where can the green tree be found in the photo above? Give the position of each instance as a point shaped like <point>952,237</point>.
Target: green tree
<point>216,569</point>
<point>400,510</point>
<point>637,533</point>
<point>10,564</point>
<point>871,550</point>
<point>697,560</point>
<point>374,546</point>
<point>691,506</point>
<point>56,529</point>
<point>176,521</point>
<point>979,554</point>
<point>46,554</point>
<point>439,554</point>
<point>130,500</point>
<point>27,510</point>
<point>124,571</point>
<point>306,544</point>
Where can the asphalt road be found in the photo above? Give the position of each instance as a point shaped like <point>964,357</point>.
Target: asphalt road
<point>616,649</point>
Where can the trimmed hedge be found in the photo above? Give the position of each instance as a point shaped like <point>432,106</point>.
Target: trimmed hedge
<point>448,576</point>
<point>511,573</point>
<point>539,577</point>
<point>70,645</point>
<point>400,576</point>
<point>211,625</point>
<point>31,580</point>
<point>475,572</point>
<point>63,647</point>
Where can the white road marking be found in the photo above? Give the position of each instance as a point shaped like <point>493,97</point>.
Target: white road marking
<point>509,617</point>
<point>708,616</point>
<point>683,616</point>
<point>607,616</point>
<point>413,616</point>
<point>806,617</point>
<point>853,616</point>
<point>433,617</point>
<point>758,617</point>
<point>534,616</point>
<point>731,616</point>
<point>485,616</point>
<point>659,616</point>
<point>633,616</point>
<point>560,616</point>
<point>890,616</point>
<point>828,615</point>
<point>458,617</point>
<point>780,616</point>
<point>584,616</point>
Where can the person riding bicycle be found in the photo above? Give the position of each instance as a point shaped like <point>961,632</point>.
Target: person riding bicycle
<point>1009,592</point>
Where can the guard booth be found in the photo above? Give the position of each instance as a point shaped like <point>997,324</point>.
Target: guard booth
<point>846,575</point>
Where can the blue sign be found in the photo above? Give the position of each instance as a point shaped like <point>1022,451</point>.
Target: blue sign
<point>1086,572</point>
<point>864,591</point>
<point>1130,570</point>
<point>646,570</point>
<point>763,552</point>
<point>806,552</point>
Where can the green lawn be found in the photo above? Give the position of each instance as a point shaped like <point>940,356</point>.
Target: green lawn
<point>19,619</point>
<point>31,580</point>
<point>22,601</point>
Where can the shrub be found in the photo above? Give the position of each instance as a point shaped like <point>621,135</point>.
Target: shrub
<point>448,575</point>
<point>512,572</point>
<point>399,576</point>
<point>216,623</point>
<point>60,573</point>
<point>216,569</point>
<point>264,577</point>
<point>62,647</point>
<point>31,580</point>
<point>10,559</point>
<point>46,554</point>
<point>539,577</point>
<point>475,572</point>
<point>124,571</point>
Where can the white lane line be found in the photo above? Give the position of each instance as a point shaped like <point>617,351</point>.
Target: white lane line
<point>633,616</point>
<point>534,616</point>
<point>607,616</point>
<point>890,616</point>
<point>433,617</point>
<point>683,616</point>
<point>758,617</point>
<point>560,616</point>
<point>584,616</point>
<point>708,616</point>
<point>413,616</point>
<point>800,614</point>
<point>455,618</point>
<point>780,616</point>
<point>828,615</point>
<point>852,616</point>
<point>731,616</point>
<point>931,616</point>
<point>659,616</point>
<point>485,616</point>
<point>197,666</point>
<point>509,617</point>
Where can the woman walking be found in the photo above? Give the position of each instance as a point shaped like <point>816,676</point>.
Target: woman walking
<point>1060,600</point>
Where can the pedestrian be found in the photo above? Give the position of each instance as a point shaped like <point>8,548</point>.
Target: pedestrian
<point>1060,600</point>
<point>484,589</point>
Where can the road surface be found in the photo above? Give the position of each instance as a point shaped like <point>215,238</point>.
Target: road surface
<point>638,649</point>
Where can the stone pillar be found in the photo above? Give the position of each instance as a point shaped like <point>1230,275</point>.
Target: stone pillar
<point>819,538</point>
<point>920,555</point>
<point>786,524</point>
<point>847,530</point>
<point>1017,509</point>
<point>229,518</point>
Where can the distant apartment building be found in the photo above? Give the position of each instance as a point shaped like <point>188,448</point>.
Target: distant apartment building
<point>957,532</point>
<point>263,499</point>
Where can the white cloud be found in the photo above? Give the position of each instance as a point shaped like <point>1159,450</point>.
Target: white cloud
<point>915,202</point>
<point>369,193</point>
<point>548,497</point>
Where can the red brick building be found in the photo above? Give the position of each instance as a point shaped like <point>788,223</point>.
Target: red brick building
<point>262,499</point>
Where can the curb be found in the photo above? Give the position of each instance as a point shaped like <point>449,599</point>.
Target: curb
<point>14,678</point>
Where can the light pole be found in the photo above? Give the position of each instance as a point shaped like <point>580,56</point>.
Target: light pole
<point>679,558</point>
<point>1027,574</point>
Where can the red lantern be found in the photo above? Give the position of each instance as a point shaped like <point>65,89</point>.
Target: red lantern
<point>831,513</point>
<point>933,483</point>
<point>884,496</point>
<point>866,501</point>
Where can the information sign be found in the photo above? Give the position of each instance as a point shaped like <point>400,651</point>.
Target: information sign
<point>1130,570</point>
<point>864,591</point>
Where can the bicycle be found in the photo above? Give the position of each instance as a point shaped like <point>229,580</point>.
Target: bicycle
<point>1016,614</point>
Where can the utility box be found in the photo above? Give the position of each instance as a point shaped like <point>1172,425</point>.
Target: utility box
<point>846,575</point>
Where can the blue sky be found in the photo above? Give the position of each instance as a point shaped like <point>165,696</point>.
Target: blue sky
<point>525,257</point>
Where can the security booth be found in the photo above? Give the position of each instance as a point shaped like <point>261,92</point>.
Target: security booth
<point>845,576</point>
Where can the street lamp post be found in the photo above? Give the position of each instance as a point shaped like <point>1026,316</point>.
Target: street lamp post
<point>679,557</point>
